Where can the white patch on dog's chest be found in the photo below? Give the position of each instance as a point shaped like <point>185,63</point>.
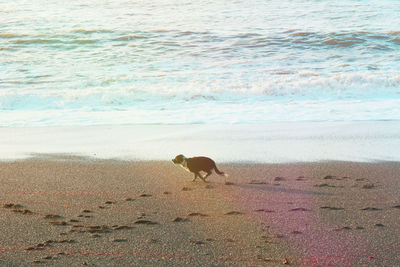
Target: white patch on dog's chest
<point>184,165</point>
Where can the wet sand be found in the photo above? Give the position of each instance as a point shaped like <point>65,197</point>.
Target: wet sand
<point>65,210</point>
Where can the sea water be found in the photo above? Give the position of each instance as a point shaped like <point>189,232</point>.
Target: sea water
<point>103,62</point>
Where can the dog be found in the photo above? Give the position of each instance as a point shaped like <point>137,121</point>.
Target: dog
<point>196,165</point>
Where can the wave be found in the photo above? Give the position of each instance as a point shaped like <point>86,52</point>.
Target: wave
<point>90,31</point>
<point>54,41</point>
<point>9,35</point>
<point>163,38</point>
<point>343,42</point>
<point>316,39</point>
<point>396,40</point>
<point>279,84</point>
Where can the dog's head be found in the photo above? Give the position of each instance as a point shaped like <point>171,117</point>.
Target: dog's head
<point>179,159</point>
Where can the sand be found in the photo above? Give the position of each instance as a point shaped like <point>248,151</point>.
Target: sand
<point>65,210</point>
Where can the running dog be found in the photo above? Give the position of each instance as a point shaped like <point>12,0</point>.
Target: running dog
<point>196,165</point>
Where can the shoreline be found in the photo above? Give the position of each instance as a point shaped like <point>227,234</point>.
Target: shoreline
<point>144,213</point>
<point>367,141</point>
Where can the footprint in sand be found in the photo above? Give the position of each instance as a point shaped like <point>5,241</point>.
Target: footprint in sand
<point>229,183</point>
<point>24,211</point>
<point>370,209</point>
<point>278,179</point>
<point>396,207</point>
<point>331,208</point>
<point>119,240</point>
<point>109,202</point>
<point>147,222</point>
<point>179,219</point>
<point>296,232</point>
<point>379,225</point>
<point>186,188</point>
<point>42,246</point>
<point>53,217</point>
<point>94,229</point>
<point>129,199</point>
<point>198,242</point>
<point>17,208</point>
<point>209,186</point>
<point>166,193</point>
<point>97,229</point>
<point>299,209</point>
<point>234,213</point>
<point>264,210</point>
<point>121,227</point>
<point>257,182</point>
<point>12,206</point>
<point>368,186</point>
<point>145,195</point>
<point>193,214</point>
<point>328,185</point>
<point>95,235</point>
<point>59,223</point>
<point>37,247</point>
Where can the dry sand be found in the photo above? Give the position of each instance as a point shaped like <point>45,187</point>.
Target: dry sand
<point>73,211</point>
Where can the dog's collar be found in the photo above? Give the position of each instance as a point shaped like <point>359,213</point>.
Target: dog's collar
<point>184,163</point>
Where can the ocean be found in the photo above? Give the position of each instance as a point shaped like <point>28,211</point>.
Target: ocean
<point>101,62</point>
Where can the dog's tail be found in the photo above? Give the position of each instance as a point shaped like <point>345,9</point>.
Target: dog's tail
<point>219,172</point>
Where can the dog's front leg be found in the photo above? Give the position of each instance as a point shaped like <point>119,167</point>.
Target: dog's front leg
<point>202,178</point>
<point>195,177</point>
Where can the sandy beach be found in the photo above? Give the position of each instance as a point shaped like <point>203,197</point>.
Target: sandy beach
<point>66,210</point>
<point>298,101</point>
